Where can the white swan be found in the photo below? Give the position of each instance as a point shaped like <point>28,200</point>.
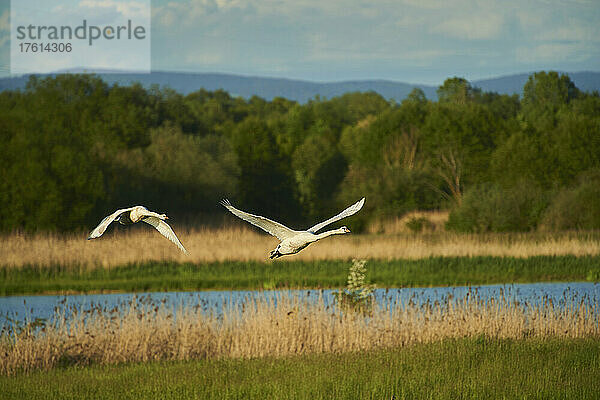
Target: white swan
<point>294,241</point>
<point>131,215</point>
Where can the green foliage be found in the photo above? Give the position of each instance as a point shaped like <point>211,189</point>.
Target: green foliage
<point>460,139</point>
<point>48,181</point>
<point>562,141</point>
<point>319,168</point>
<point>457,90</point>
<point>491,207</point>
<point>262,166</point>
<point>73,147</point>
<point>544,94</point>
<point>576,207</point>
<point>177,172</point>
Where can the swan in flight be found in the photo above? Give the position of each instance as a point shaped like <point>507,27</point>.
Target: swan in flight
<point>293,241</point>
<point>131,215</point>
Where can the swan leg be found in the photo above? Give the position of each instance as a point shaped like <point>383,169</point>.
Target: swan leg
<point>275,254</point>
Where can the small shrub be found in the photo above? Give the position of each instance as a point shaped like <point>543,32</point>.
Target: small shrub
<point>493,208</point>
<point>418,224</point>
<point>593,275</point>
<point>358,295</point>
<point>577,207</point>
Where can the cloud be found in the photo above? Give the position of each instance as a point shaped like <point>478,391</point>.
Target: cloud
<point>192,13</point>
<point>204,58</point>
<point>352,37</point>
<point>4,25</point>
<point>427,55</point>
<point>128,9</point>
<point>573,32</point>
<point>4,28</point>
<point>428,4</point>
<point>124,54</point>
<point>472,27</point>
<point>553,53</point>
<point>300,11</point>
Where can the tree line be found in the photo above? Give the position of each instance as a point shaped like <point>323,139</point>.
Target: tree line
<point>73,148</point>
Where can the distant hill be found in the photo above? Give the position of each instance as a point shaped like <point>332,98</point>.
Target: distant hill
<point>302,91</point>
<point>586,81</point>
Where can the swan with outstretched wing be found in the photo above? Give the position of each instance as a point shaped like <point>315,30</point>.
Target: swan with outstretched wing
<point>132,215</point>
<point>293,241</point>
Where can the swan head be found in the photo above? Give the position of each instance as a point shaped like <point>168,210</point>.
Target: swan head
<point>344,229</point>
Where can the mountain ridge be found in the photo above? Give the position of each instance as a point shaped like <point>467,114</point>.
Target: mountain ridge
<point>301,90</point>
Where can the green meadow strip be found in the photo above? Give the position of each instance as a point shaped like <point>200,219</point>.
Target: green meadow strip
<point>236,275</point>
<point>476,368</point>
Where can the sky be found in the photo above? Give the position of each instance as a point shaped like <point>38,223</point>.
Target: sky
<point>92,51</point>
<point>414,41</point>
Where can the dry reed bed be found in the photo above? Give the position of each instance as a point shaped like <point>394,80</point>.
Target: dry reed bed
<point>123,246</point>
<point>432,221</point>
<point>141,333</point>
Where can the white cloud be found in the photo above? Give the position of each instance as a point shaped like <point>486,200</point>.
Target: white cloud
<point>129,9</point>
<point>532,20</point>
<point>310,36</point>
<point>426,55</point>
<point>4,28</point>
<point>472,27</point>
<point>428,4</point>
<point>175,14</point>
<point>573,32</point>
<point>4,25</point>
<point>203,58</point>
<point>553,52</point>
<point>229,4</point>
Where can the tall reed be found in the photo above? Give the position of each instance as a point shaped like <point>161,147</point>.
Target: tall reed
<point>285,326</point>
<point>122,246</point>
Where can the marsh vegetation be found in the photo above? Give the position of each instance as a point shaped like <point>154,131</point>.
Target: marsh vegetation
<point>448,185</point>
<point>280,327</point>
<point>125,246</point>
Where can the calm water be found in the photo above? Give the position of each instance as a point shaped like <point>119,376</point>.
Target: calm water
<point>28,308</point>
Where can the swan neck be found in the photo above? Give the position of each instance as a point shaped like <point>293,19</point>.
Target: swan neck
<point>329,233</point>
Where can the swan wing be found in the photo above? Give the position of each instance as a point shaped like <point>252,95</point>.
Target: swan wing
<point>99,230</point>
<point>165,230</point>
<point>276,229</point>
<point>353,209</point>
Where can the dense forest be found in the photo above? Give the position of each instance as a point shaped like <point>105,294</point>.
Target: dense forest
<point>73,148</point>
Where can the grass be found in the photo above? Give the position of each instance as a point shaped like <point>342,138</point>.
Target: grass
<point>173,276</point>
<point>467,368</point>
<point>122,246</point>
<point>281,327</point>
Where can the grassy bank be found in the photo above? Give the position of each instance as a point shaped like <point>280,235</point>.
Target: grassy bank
<point>451,369</point>
<point>161,276</point>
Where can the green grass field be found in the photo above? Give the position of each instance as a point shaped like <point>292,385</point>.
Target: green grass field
<point>165,276</point>
<point>453,369</point>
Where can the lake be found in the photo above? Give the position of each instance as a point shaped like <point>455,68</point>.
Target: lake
<point>28,308</point>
